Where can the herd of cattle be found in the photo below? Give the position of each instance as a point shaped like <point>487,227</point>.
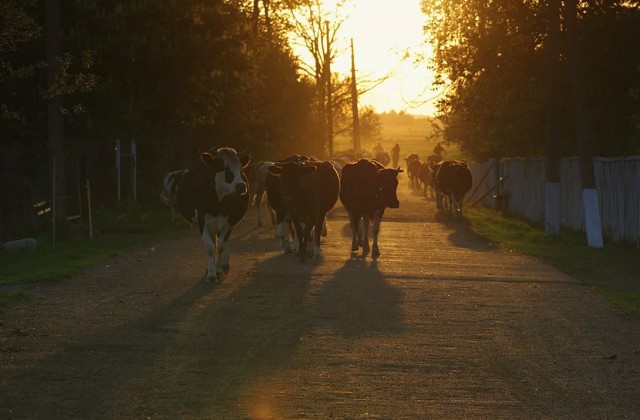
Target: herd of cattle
<point>300,192</point>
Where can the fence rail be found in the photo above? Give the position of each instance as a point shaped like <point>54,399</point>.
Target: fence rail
<point>519,185</point>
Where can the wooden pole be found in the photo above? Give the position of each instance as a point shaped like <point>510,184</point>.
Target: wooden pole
<point>354,103</point>
<point>117,149</point>
<point>134,169</point>
<point>89,210</point>
<point>53,202</point>
<point>329,94</point>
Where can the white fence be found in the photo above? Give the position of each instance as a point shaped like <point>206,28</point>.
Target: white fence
<point>518,186</point>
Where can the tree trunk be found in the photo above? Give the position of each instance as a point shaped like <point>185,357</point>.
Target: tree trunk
<point>552,193</point>
<point>55,119</point>
<point>593,225</point>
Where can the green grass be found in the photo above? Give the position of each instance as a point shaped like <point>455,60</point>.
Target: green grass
<point>116,230</point>
<point>611,271</point>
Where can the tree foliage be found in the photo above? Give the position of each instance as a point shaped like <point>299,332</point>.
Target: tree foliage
<point>490,56</point>
<point>176,76</point>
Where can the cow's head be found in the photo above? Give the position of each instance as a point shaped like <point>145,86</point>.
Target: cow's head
<point>388,182</point>
<point>295,179</point>
<point>227,166</point>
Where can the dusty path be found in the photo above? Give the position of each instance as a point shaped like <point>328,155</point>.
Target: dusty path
<point>443,325</point>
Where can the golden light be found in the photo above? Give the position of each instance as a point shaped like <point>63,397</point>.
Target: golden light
<point>388,38</point>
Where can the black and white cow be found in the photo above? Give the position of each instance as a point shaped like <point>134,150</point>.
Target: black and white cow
<point>309,189</point>
<point>215,195</point>
<point>366,190</point>
<point>453,179</point>
<point>170,190</point>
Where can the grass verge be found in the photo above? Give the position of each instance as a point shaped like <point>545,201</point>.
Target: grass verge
<point>611,271</point>
<point>119,229</point>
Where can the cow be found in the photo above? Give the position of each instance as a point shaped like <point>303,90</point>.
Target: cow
<point>423,176</point>
<point>260,171</point>
<point>275,198</point>
<point>215,194</point>
<point>309,189</point>
<point>453,178</point>
<point>366,190</point>
<point>169,192</point>
<point>413,168</point>
<point>383,157</point>
<point>442,201</point>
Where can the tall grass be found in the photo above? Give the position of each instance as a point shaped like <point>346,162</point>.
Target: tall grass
<point>413,136</point>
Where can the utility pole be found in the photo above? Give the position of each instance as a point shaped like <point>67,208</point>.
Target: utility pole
<point>552,173</point>
<point>354,103</point>
<point>329,93</point>
<point>592,221</point>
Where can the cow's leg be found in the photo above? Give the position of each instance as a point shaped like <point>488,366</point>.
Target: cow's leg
<point>299,243</point>
<point>296,239</point>
<point>272,213</point>
<point>259,195</point>
<point>283,236</point>
<point>319,230</point>
<point>365,236</point>
<point>309,238</point>
<point>375,253</point>
<point>439,199</point>
<point>209,240</point>
<point>353,221</point>
<point>223,264</point>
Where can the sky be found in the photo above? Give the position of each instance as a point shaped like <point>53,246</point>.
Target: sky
<point>383,31</point>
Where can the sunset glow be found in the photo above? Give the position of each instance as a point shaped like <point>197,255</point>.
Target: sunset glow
<point>388,39</point>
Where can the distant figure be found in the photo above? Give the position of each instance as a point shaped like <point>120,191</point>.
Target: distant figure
<point>378,149</point>
<point>395,155</point>
<point>439,150</point>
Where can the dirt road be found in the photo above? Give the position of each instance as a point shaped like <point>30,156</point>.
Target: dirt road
<point>443,325</point>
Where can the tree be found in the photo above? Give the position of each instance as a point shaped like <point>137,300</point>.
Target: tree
<point>491,59</point>
<point>370,124</point>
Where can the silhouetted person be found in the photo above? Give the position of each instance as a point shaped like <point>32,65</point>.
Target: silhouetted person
<point>395,155</point>
<point>439,150</point>
<point>378,149</point>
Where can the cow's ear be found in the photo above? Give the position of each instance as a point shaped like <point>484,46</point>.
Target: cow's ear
<point>244,160</point>
<point>399,170</point>
<point>215,163</point>
<point>275,170</point>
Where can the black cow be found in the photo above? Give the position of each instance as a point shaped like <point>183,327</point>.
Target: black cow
<point>275,198</point>
<point>413,168</point>
<point>423,176</point>
<point>170,191</point>
<point>215,195</point>
<point>309,189</point>
<point>383,157</point>
<point>453,178</point>
<point>366,190</point>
